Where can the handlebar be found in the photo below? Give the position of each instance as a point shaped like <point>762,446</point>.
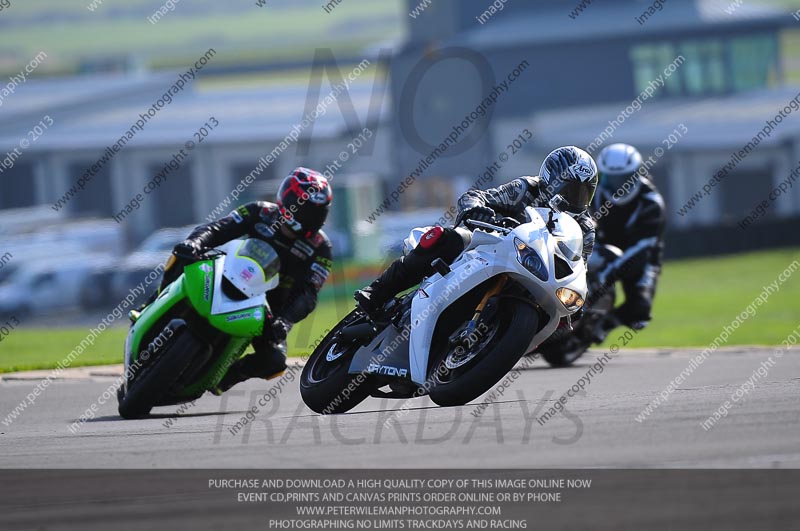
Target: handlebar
<point>203,254</point>
<point>502,225</point>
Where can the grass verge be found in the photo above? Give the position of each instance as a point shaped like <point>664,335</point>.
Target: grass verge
<point>695,300</point>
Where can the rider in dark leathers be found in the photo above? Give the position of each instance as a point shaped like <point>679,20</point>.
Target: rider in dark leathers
<point>630,214</point>
<point>567,180</point>
<point>293,227</point>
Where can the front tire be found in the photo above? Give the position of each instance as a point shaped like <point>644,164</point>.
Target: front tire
<point>325,376</point>
<point>154,382</point>
<point>511,329</point>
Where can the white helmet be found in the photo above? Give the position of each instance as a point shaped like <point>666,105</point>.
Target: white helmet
<point>619,165</point>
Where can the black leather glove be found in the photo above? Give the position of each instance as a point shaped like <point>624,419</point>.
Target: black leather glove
<point>278,329</point>
<point>478,213</point>
<point>187,251</point>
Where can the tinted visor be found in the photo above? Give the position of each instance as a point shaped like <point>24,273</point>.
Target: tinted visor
<point>577,194</point>
<point>614,183</point>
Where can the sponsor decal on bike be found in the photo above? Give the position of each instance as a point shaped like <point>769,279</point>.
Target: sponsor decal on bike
<point>247,273</point>
<point>238,317</point>
<point>206,269</point>
<point>386,370</point>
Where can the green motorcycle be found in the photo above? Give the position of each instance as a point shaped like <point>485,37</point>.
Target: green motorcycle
<point>183,343</point>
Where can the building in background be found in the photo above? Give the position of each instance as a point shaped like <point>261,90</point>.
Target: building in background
<point>586,67</point>
<point>567,74</point>
<point>88,114</point>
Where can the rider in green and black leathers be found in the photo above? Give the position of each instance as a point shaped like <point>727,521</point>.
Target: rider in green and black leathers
<point>292,226</point>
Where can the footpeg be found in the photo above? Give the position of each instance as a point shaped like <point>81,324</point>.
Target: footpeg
<point>441,267</point>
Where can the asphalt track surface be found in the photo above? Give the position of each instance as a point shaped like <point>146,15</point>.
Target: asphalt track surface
<point>598,429</point>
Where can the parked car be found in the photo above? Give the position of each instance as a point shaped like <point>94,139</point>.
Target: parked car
<point>47,286</point>
<point>152,252</point>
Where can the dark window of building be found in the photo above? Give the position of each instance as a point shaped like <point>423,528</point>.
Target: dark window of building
<point>741,191</point>
<point>95,199</point>
<point>174,199</point>
<point>17,187</point>
<point>754,61</point>
<point>704,70</point>
<point>649,62</point>
<point>711,66</point>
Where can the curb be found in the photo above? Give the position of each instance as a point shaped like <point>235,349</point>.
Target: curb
<point>98,372</point>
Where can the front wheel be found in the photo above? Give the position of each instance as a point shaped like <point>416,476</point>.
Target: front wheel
<point>325,383</point>
<point>155,379</point>
<point>460,375</point>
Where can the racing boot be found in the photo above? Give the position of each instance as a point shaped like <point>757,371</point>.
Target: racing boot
<point>604,328</point>
<point>134,314</point>
<point>267,362</point>
<point>397,277</point>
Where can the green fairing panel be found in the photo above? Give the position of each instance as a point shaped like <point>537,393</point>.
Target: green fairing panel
<point>171,295</point>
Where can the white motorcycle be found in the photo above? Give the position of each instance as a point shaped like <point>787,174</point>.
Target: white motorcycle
<point>465,326</point>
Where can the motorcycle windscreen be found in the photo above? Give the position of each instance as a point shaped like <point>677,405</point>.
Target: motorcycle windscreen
<point>570,239</point>
<point>253,269</point>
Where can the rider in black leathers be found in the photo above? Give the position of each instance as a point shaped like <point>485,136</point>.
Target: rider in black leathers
<point>567,180</point>
<point>630,214</point>
<point>292,226</point>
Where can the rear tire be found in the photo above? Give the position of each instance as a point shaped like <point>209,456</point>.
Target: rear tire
<point>151,386</point>
<point>564,353</point>
<point>324,380</point>
<point>566,350</point>
<point>517,323</point>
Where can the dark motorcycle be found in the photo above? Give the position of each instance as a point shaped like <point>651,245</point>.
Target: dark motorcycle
<point>567,344</point>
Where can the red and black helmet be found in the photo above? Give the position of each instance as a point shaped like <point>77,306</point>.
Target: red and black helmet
<point>304,198</point>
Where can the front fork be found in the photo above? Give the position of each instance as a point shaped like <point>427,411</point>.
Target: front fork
<point>466,336</point>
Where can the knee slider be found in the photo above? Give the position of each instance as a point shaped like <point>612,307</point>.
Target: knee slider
<point>431,238</point>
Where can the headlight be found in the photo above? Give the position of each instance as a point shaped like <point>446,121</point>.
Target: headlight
<point>530,260</point>
<point>569,298</point>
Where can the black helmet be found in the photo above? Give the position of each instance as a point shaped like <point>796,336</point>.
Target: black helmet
<point>570,179</point>
<point>620,178</point>
<point>304,198</point>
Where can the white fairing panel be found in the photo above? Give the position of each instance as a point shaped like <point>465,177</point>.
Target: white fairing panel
<point>220,302</point>
<point>250,266</point>
<point>489,255</point>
